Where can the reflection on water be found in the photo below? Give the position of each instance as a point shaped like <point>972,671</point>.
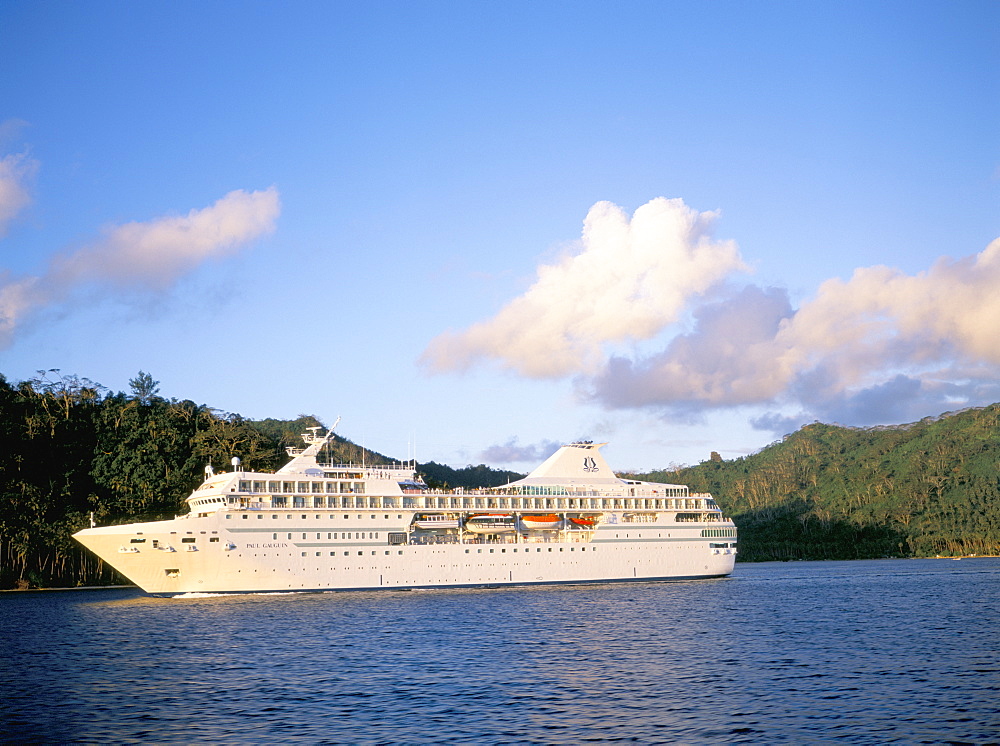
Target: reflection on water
<point>862,652</point>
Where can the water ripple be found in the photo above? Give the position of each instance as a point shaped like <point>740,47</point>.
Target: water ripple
<point>859,652</point>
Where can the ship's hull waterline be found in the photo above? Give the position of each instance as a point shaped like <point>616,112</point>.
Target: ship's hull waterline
<point>262,559</point>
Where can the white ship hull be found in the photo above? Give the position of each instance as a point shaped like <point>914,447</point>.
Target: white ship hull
<point>248,558</point>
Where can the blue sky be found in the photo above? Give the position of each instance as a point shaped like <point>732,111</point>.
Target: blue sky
<point>477,229</point>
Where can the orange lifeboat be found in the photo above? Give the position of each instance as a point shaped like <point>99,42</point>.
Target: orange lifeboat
<point>541,522</point>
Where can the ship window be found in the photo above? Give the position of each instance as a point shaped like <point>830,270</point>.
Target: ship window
<point>188,540</point>
<point>273,537</point>
<point>213,538</point>
<point>303,536</point>
<point>318,554</point>
<point>289,536</point>
<point>172,573</point>
<point>303,554</point>
<point>259,516</point>
<point>360,554</point>
<point>228,517</point>
<point>138,541</point>
<point>245,516</point>
<point>347,554</point>
<point>333,554</point>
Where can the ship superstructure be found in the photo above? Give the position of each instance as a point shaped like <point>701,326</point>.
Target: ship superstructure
<point>315,526</point>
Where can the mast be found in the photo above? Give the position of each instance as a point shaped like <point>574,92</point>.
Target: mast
<point>305,458</point>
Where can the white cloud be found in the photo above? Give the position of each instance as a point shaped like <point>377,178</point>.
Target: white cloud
<point>629,280</point>
<point>513,452</point>
<point>157,253</point>
<point>16,173</point>
<point>151,256</point>
<point>881,347</point>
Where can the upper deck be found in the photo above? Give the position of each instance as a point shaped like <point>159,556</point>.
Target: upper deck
<point>575,478</point>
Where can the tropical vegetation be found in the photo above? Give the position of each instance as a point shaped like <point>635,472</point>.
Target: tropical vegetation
<point>930,488</point>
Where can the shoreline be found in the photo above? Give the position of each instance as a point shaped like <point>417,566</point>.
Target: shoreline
<point>67,588</point>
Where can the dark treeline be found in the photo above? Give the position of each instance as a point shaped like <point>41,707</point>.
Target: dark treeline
<point>69,448</point>
<point>439,476</point>
<point>828,492</point>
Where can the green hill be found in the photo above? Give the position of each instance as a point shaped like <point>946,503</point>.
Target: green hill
<point>829,492</point>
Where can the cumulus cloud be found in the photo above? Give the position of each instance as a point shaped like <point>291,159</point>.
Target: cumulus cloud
<point>723,362</point>
<point>513,452</point>
<point>150,256</point>
<point>16,174</point>
<point>629,279</point>
<point>880,347</point>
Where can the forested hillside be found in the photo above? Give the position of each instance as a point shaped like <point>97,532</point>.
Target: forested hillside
<point>829,492</point>
<point>69,447</point>
<point>440,476</point>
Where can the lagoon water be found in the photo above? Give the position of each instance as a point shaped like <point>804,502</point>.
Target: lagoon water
<point>889,651</point>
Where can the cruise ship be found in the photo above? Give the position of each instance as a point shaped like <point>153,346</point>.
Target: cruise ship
<point>316,526</point>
